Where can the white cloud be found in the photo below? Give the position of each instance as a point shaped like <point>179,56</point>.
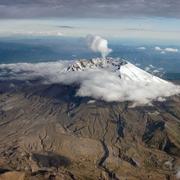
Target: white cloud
<point>151,66</point>
<point>164,50</point>
<point>98,44</point>
<point>147,68</point>
<point>137,64</point>
<point>141,48</point>
<point>38,33</point>
<point>154,70</point>
<point>157,48</point>
<point>127,84</point>
<point>171,50</point>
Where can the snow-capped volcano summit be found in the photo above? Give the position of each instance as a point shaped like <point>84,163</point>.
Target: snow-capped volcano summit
<point>124,69</point>
<point>118,80</point>
<point>107,79</point>
<point>107,63</point>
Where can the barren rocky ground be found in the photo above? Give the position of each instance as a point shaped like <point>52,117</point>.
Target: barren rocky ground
<point>46,132</point>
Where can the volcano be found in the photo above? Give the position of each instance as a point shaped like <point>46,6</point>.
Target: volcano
<point>87,119</point>
<point>111,80</point>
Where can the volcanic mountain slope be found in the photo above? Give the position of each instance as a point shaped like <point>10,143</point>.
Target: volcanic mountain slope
<point>106,79</point>
<point>48,132</point>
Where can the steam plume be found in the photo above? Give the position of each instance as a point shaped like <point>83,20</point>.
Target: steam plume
<point>98,44</point>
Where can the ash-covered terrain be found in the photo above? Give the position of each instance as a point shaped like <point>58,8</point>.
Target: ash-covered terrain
<point>87,119</point>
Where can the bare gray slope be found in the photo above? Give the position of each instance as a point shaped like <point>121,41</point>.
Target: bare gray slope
<point>48,131</point>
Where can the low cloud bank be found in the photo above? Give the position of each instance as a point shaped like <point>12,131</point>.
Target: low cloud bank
<point>127,84</point>
<point>98,44</point>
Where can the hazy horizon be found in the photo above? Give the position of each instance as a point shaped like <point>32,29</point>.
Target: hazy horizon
<point>147,29</point>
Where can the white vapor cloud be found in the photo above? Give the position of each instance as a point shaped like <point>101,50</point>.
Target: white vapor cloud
<point>129,83</point>
<point>157,48</point>
<point>163,51</point>
<point>171,50</point>
<point>154,70</point>
<point>141,48</point>
<point>98,44</point>
<point>38,33</point>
